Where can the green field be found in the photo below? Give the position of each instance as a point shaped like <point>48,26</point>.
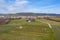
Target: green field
<point>29,31</point>
<point>55,27</point>
<point>56,18</point>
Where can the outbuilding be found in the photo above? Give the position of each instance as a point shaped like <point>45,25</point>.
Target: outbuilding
<point>30,20</point>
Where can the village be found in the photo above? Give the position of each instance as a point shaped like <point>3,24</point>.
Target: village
<point>6,19</point>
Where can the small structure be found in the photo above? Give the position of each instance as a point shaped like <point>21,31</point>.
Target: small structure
<point>30,20</point>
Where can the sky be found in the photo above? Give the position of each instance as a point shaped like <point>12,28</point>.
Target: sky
<point>36,6</point>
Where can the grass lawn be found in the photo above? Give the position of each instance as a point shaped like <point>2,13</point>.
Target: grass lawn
<point>29,31</point>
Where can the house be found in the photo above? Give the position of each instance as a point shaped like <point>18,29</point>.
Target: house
<point>30,20</point>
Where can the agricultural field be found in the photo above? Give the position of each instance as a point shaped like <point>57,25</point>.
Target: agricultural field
<point>23,30</point>
<point>56,18</point>
<point>55,27</point>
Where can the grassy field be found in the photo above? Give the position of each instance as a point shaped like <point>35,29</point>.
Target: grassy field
<point>29,31</point>
<point>55,27</point>
<point>56,18</point>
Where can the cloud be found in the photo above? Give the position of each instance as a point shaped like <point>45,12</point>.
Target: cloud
<point>26,6</point>
<point>18,4</point>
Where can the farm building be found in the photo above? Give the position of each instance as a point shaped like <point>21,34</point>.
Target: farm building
<point>30,20</point>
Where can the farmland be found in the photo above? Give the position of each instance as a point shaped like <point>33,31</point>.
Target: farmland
<point>56,18</point>
<point>55,26</point>
<point>23,30</point>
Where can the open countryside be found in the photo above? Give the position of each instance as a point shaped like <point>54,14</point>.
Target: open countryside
<point>29,19</point>
<point>29,27</point>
